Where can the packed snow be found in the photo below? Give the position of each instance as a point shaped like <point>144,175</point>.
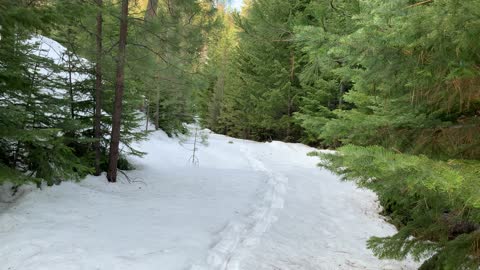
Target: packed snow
<point>244,206</point>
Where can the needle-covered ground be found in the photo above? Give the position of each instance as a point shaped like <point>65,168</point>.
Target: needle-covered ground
<point>246,206</point>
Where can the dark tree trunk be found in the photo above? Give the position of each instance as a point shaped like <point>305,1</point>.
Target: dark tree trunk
<point>98,90</point>
<point>340,95</point>
<point>117,107</point>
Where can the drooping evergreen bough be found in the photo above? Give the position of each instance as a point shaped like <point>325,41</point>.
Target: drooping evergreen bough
<point>415,94</point>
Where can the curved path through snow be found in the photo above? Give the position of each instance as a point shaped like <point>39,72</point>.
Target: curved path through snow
<point>240,235</point>
<point>247,206</point>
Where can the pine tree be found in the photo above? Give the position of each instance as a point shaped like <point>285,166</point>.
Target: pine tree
<point>36,126</point>
<point>217,67</point>
<point>325,74</point>
<point>266,64</point>
<point>181,28</point>
<point>98,88</point>
<point>55,111</point>
<point>413,68</point>
<point>119,90</point>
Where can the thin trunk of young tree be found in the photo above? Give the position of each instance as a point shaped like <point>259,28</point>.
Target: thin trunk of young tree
<point>289,94</point>
<point>157,109</point>
<point>119,89</point>
<point>98,89</point>
<point>340,94</point>
<point>150,14</point>
<point>147,110</point>
<point>70,85</point>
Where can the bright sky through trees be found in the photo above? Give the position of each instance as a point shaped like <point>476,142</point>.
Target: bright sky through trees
<point>237,4</point>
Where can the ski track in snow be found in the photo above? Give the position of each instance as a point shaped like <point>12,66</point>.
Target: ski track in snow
<point>240,235</point>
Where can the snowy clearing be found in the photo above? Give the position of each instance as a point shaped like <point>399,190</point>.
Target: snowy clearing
<point>247,206</point>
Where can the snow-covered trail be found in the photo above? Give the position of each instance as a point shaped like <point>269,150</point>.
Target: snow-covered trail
<point>324,224</point>
<point>248,206</point>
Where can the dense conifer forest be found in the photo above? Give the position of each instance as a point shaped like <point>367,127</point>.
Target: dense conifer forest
<point>392,86</point>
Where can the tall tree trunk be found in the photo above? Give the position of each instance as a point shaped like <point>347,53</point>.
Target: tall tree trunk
<point>149,14</point>
<point>119,88</point>
<point>98,89</point>
<point>289,93</point>
<point>151,9</point>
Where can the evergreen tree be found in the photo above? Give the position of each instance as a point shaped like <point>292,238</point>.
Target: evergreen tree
<point>119,90</point>
<point>36,128</point>
<point>413,65</point>
<point>325,73</point>
<point>56,104</point>
<point>217,66</point>
<point>98,88</point>
<point>266,65</point>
